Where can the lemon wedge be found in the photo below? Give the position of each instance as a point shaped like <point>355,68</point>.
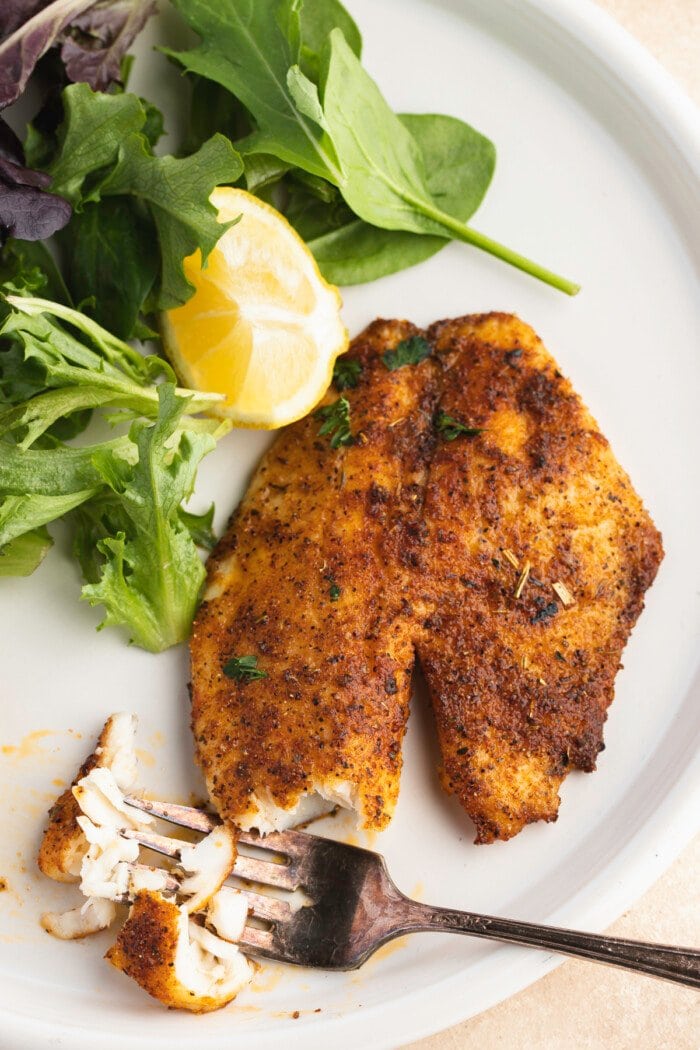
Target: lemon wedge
<point>263,327</point>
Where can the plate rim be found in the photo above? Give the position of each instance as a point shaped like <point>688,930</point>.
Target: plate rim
<point>671,827</point>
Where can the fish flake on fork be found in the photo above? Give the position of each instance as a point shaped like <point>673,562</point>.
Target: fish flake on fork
<point>355,907</point>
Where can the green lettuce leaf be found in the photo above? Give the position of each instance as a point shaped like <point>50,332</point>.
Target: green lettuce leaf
<point>177,193</point>
<point>25,513</point>
<point>28,268</point>
<point>23,555</point>
<point>87,367</point>
<point>152,574</point>
<point>104,152</point>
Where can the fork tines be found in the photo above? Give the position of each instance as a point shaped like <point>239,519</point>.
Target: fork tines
<point>250,869</point>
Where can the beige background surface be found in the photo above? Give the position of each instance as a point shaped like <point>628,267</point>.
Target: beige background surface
<point>580,1006</point>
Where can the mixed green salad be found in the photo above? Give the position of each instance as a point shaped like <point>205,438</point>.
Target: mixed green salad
<point>95,221</point>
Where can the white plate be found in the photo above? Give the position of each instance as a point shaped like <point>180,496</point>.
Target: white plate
<point>598,177</point>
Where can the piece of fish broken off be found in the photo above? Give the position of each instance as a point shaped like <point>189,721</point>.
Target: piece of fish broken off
<point>305,581</point>
<point>175,960</point>
<point>541,553</point>
<point>64,845</point>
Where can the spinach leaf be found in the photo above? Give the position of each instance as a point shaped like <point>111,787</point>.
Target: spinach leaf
<point>248,47</point>
<point>111,261</point>
<point>323,191</point>
<point>23,555</point>
<point>152,575</point>
<point>262,170</point>
<point>347,136</point>
<point>459,164</point>
<point>384,179</point>
<point>317,19</point>
<point>212,109</point>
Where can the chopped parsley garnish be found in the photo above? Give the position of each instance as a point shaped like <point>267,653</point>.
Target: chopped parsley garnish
<point>243,669</point>
<point>336,422</point>
<point>409,351</point>
<point>334,591</point>
<point>346,374</point>
<point>450,428</point>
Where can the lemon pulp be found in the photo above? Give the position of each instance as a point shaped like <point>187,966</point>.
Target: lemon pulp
<point>263,327</point>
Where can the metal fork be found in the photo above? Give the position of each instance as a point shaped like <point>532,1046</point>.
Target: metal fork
<point>355,906</point>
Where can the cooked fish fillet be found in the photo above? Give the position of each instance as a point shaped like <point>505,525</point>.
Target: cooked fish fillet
<point>339,564</point>
<point>63,844</point>
<point>310,580</point>
<point>174,959</point>
<point>520,679</point>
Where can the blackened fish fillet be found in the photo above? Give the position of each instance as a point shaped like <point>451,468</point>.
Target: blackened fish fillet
<point>520,679</point>
<point>309,580</point>
<point>514,560</point>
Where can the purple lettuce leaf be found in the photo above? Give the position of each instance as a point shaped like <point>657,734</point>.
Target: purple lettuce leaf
<point>10,146</point>
<point>14,13</point>
<point>98,39</point>
<point>93,37</point>
<point>27,211</point>
<point>22,49</point>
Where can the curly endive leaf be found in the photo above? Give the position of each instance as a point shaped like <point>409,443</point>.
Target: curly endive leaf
<point>152,574</point>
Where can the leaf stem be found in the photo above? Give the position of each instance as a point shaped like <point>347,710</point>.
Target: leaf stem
<point>469,235</point>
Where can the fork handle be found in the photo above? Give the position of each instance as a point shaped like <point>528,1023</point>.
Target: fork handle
<point>681,965</point>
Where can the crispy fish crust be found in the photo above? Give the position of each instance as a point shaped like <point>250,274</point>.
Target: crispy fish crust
<point>63,845</point>
<point>146,947</point>
<point>148,950</point>
<point>411,528</point>
<point>309,578</point>
<point>520,685</point>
